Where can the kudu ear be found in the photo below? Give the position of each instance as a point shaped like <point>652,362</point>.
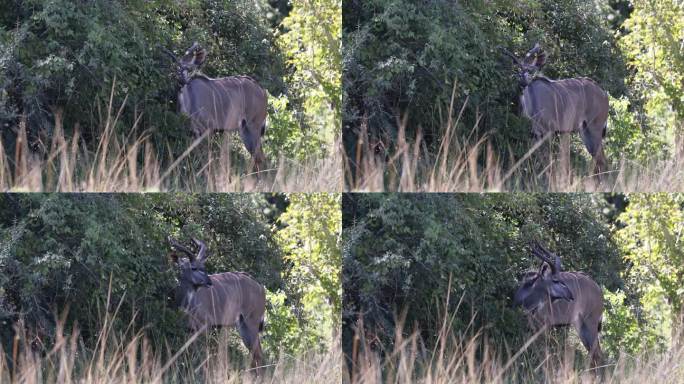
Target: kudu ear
<point>544,270</point>
<point>198,53</point>
<point>192,48</point>
<point>541,59</point>
<point>533,55</point>
<point>177,246</point>
<point>200,56</point>
<point>559,290</point>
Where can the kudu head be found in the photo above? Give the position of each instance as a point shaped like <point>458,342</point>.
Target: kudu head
<point>545,286</point>
<point>530,65</point>
<point>193,274</point>
<point>190,62</point>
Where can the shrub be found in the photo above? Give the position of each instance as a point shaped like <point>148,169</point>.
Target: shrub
<point>405,59</point>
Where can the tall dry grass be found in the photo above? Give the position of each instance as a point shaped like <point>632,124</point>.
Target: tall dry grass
<point>128,357</point>
<point>469,357</point>
<point>462,164</point>
<point>131,360</point>
<point>131,164</point>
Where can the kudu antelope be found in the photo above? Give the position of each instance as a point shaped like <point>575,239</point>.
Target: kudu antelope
<point>563,106</point>
<point>231,299</point>
<point>224,104</point>
<point>555,298</point>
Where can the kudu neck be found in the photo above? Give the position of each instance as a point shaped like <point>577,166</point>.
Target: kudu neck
<point>192,76</point>
<point>187,295</point>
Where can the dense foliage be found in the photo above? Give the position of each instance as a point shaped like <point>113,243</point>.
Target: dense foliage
<point>60,252</point>
<point>405,59</point>
<point>657,57</point>
<point>314,49</point>
<point>650,236</point>
<point>404,254</point>
<point>310,242</point>
<point>66,57</point>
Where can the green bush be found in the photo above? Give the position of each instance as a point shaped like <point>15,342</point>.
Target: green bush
<point>627,140</point>
<point>402,253</point>
<point>654,55</point>
<point>405,58</point>
<point>59,252</point>
<point>283,134</point>
<point>71,55</point>
<point>624,331</point>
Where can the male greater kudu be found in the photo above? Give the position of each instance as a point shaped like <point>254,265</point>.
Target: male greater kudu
<point>554,298</point>
<point>224,104</point>
<point>231,299</point>
<point>563,106</point>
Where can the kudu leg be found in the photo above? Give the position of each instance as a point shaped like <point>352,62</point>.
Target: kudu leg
<point>564,159</point>
<point>592,136</point>
<point>256,355</point>
<point>589,336</point>
<point>600,160</point>
<point>252,140</point>
<point>544,141</point>
<point>250,337</point>
<point>259,157</point>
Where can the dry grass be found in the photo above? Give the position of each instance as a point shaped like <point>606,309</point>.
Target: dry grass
<point>131,360</point>
<point>130,164</point>
<point>457,358</point>
<point>464,165</point>
<point>128,358</point>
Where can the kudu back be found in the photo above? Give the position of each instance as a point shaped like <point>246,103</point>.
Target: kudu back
<point>563,106</point>
<point>552,297</point>
<point>229,299</point>
<point>234,103</point>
